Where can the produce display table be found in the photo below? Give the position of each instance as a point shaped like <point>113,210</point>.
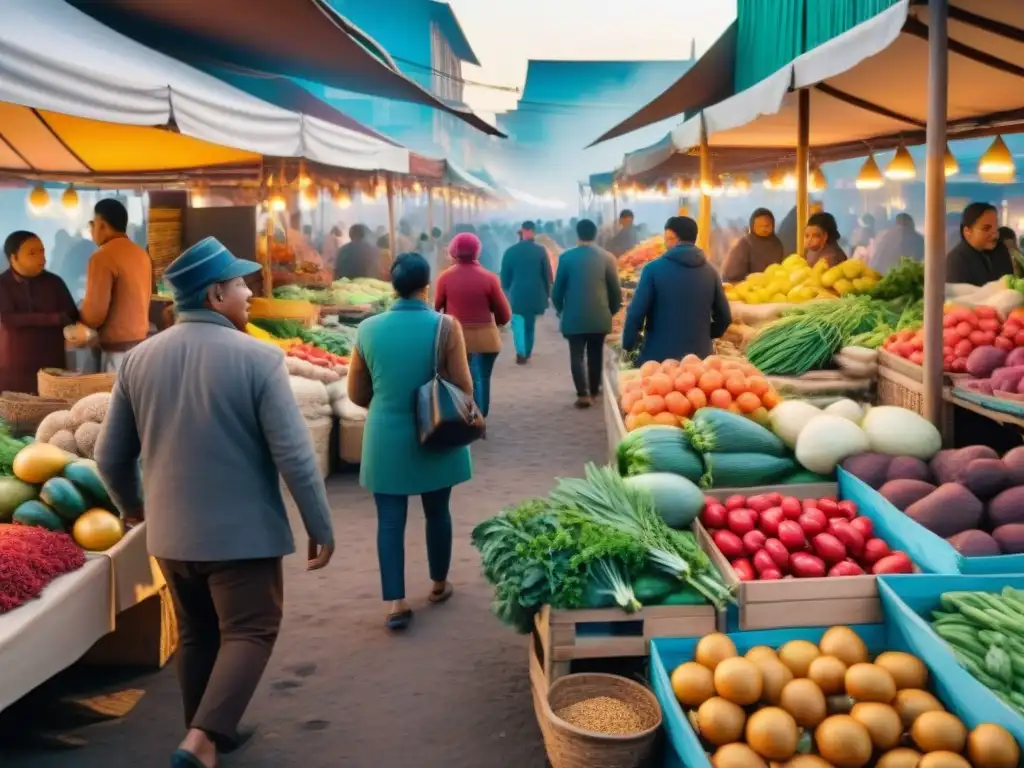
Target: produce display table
<point>613,423</point>
<point>48,635</point>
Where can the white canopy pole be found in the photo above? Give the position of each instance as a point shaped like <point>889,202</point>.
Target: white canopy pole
<point>935,207</point>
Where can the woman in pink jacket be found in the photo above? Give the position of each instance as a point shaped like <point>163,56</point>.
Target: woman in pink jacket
<point>473,296</point>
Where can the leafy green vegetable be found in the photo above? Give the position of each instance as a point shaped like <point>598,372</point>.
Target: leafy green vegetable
<point>905,280</point>
<point>9,448</point>
<point>338,340</point>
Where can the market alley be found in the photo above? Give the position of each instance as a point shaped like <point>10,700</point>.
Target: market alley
<point>454,691</point>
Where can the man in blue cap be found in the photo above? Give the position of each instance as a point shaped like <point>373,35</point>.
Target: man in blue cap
<point>210,413</point>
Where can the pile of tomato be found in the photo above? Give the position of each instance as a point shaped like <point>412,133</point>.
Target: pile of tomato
<point>317,356</point>
<point>963,330</point>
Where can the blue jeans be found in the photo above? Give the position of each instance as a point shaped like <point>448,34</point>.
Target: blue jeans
<point>392,512</point>
<point>522,334</point>
<point>481,365</point>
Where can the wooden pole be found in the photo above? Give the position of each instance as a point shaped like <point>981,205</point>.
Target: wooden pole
<point>803,166</point>
<point>392,243</point>
<point>935,207</point>
<point>704,222</point>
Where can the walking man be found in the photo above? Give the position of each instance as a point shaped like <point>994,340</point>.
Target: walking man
<point>210,413</point>
<point>526,279</point>
<point>586,296</point>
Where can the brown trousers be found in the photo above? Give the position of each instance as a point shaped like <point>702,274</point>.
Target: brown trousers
<point>229,614</point>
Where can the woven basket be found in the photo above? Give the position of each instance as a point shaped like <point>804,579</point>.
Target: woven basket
<point>320,432</point>
<point>68,385</point>
<point>23,413</point>
<point>571,747</point>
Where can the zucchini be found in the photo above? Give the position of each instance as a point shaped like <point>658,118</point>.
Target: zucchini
<point>805,477</point>
<point>658,448</point>
<point>713,430</point>
<point>652,588</point>
<point>744,470</point>
<point>687,595</point>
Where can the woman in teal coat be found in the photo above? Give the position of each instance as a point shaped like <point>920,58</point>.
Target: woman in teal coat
<point>393,358</point>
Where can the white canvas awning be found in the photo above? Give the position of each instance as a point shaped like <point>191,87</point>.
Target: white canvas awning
<point>463,178</point>
<point>868,88</point>
<point>57,59</point>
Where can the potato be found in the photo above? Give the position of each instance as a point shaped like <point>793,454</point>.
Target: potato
<point>871,468</point>
<point>902,493</point>
<point>950,509</point>
<point>984,477</point>
<point>975,543</point>
<point>908,468</point>
<point>1007,507</point>
<point>1014,461</point>
<point>1010,538</point>
<point>945,465</point>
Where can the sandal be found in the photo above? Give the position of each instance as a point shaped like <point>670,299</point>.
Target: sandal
<point>396,622</point>
<point>438,596</point>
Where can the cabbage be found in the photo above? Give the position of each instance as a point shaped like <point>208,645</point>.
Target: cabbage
<point>789,417</point>
<point>899,432</point>
<point>827,440</point>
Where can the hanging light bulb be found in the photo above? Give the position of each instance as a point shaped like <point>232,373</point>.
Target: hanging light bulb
<point>278,203</point>
<point>417,188</point>
<point>69,200</point>
<point>870,176</point>
<point>996,165</point>
<point>950,165</point>
<point>818,181</point>
<point>309,198</point>
<point>789,181</point>
<point>901,167</point>
<point>775,179</point>
<point>38,199</point>
<point>742,183</point>
<point>342,198</point>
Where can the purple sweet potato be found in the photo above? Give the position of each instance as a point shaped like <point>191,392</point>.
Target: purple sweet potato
<point>984,386</point>
<point>983,360</point>
<point>984,478</point>
<point>974,543</point>
<point>902,493</point>
<point>1007,507</point>
<point>1016,357</point>
<point>946,465</point>
<point>947,510</point>
<point>1014,461</point>
<point>1010,538</point>
<point>908,468</point>
<point>869,467</point>
<point>1007,378</point>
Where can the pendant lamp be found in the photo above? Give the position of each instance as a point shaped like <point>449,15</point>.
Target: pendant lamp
<point>310,197</point>
<point>996,165</point>
<point>342,198</point>
<point>951,166</point>
<point>775,179</point>
<point>870,177</point>
<point>38,199</point>
<point>901,167</point>
<point>818,180</point>
<point>69,200</point>
<point>278,203</point>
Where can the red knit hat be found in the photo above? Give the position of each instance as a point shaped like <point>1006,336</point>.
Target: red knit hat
<point>464,247</point>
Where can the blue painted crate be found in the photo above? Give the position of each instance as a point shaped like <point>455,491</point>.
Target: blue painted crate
<point>909,601</point>
<point>958,691</point>
<point>931,553</point>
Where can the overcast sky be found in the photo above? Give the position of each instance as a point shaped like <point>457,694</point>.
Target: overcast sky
<point>506,33</point>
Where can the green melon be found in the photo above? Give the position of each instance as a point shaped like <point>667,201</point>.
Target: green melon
<point>14,493</point>
<point>38,514</point>
<point>61,495</point>
<point>87,480</point>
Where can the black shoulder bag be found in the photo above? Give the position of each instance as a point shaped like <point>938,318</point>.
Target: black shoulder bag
<point>446,417</point>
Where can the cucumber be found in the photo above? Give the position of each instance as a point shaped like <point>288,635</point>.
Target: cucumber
<point>652,588</point>
<point>712,430</point>
<point>685,596</point>
<point>744,470</point>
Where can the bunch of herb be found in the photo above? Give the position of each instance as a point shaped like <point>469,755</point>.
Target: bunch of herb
<point>905,280</point>
<point>9,448</point>
<point>535,554</point>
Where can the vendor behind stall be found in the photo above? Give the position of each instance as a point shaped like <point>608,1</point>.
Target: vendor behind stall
<point>821,240</point>
<point>979,257</point>
<point>35,305</point>
<point>118,286</point>
<point>755,251</point>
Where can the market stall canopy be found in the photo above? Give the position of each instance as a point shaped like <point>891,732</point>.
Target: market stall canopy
<point>601,183</point>
<point>305,39</point>
<point>460,177</point>
<point>707,82</point>
<point>57,59</point>
<point>868,91</point>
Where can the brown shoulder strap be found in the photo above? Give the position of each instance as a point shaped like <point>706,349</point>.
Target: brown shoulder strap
<point>441,342</point>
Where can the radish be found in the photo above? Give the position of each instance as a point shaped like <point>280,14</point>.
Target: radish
<point>791,507</point>
<point>829,548</point>
<point>875,550</point>
<point>770,520</point>
<point>763,561</point>
<point>806,565</point>
<point>714,516</point>
<point>846,568</point>
<point>774,497</point>
<point>864,525</point>
<point>829,507</point>
<point>849,509</point>
<point>735,502</point>
<point>792,536</point>
<point>850,537</point>
<point>809,503</point>
<point>778,552</point>
<point>771,574</point>
<point>813,521</point>
<point>759,503</point>
<point>744,570</point>
<point>897,562</point>
<point>753,541</point>
<point>741,521</point>
<point>729,543</point>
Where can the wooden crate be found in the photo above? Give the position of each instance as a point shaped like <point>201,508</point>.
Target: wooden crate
<point>607,633</point>
<point>615,428</point>
<point>896,388</point>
